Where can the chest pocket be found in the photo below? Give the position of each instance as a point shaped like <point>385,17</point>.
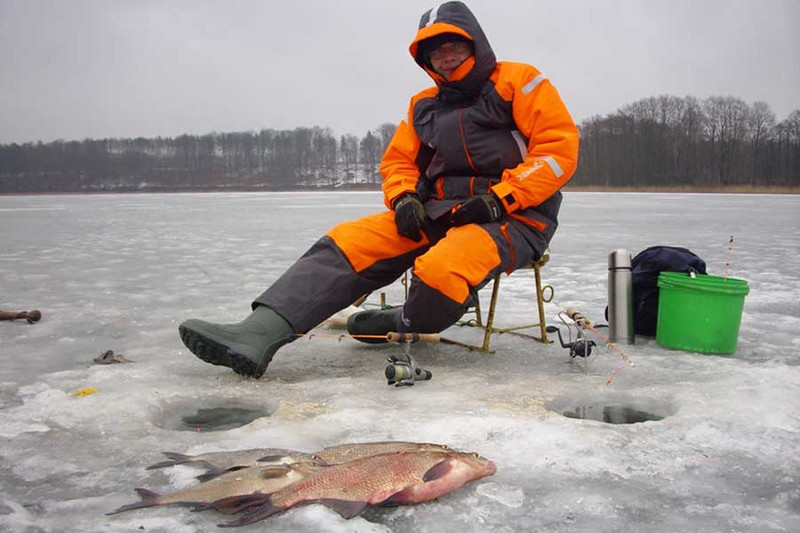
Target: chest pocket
<point>425,128</point>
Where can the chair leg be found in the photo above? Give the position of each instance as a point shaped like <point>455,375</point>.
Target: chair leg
<point>478,314</point>
<point>487,335</point>
<point>540,303</point>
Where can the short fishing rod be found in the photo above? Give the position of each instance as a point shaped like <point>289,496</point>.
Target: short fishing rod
<point>402,370</point>
<point>581,346</point>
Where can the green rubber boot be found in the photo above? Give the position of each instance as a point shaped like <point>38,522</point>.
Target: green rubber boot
<point>247,347</point>
<point>374,322</point>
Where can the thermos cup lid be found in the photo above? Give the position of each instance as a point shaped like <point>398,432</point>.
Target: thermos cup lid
<point>620,258</point>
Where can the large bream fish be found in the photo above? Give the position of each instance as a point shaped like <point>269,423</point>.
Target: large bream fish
<point>400,478</point>
<point>219,463</point>
<point>222,461</point>
<point>250,480</point>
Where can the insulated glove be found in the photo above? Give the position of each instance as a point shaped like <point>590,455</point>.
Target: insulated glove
<point>410,217</point>
<point>478,209</point>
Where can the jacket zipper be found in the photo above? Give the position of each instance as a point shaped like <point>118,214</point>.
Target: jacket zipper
<point>440,188</point>
<point>464,141</point>
<point>541,226</point>
<point>512,253</point>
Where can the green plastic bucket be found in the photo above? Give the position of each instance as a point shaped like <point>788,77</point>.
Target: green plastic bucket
<point>701,313</point>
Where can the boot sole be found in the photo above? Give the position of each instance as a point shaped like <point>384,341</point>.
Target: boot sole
<point>218,354</point>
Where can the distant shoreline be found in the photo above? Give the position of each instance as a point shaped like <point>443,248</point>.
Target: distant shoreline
<point>731,189</point>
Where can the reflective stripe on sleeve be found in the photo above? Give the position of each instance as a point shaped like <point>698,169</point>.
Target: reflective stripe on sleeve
<point>521,143</point>
<point>550,160</point>
<point>531,85</point>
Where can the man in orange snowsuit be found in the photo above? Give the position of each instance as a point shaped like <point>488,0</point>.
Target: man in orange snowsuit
<point>471,183</point>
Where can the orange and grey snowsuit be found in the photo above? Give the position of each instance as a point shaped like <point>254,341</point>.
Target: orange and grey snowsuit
<point>493,127</point>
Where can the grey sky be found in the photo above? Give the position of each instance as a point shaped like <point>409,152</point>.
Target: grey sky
<point>73,69</point>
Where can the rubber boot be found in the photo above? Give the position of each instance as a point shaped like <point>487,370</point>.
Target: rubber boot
<point>374,322</point>
<point>247,347</point>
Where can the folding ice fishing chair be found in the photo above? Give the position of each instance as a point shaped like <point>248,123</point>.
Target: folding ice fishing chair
<point>544,294</point>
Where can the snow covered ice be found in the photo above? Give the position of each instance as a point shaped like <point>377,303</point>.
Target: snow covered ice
<point>121,272</point>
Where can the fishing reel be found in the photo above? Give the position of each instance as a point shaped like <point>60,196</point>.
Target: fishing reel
<point>581,346</point>
<point>402,371</point>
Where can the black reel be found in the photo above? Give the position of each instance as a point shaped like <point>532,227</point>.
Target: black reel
<point>581,347</point>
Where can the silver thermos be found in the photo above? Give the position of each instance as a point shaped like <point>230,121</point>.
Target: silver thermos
<point>620,298</point>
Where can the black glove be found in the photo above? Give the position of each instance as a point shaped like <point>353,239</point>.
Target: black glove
<point>410,217</point>
<point>478,209</point>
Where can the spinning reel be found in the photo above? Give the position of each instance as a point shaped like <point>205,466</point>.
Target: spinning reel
<point>402,371</point>
<point>581,346</point>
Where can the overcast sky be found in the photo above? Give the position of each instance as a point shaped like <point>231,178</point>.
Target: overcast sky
<point>72,69</point>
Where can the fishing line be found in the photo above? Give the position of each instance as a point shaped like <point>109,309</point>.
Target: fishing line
<point>728,258</point>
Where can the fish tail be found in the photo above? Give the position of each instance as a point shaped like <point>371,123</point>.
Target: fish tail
<point>175,459</point>
<point>148,497</point>
<point>254,514</point>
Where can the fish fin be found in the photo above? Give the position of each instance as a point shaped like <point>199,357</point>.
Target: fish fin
<point>345,508</point>
<point>436,471</point>
<point>252,515</point>
<point>213,471</point>
<point>199,507</point>
<point>398,498</point>
<point>272,472</point>
<point>148,497</point>
<point>237,504</point>
<point>175,459</point>
<point>276,454</point>
<point>271,458</point>
<point>211,474</point>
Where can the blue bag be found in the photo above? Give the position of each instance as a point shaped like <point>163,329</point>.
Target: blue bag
<point>646,267</point>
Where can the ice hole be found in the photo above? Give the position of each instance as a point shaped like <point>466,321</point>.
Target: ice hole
<point>611,414</point>
<point>204,417</point>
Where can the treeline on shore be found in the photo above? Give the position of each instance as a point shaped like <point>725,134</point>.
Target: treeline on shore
<point>658,142</point>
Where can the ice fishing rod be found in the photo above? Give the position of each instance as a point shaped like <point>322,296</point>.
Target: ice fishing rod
<point>340,336</point>
<point>584,323</point>
<point>728,258</point>
<point>392,336</point>
<point>580,347</point>
<point>402,370</point>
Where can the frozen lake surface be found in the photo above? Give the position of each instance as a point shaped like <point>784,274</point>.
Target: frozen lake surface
<point>121,272</point>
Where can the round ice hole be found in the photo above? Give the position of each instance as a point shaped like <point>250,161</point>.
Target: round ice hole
<point>610,414</point>
<point>203,417</point>
<point>613,407</point>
